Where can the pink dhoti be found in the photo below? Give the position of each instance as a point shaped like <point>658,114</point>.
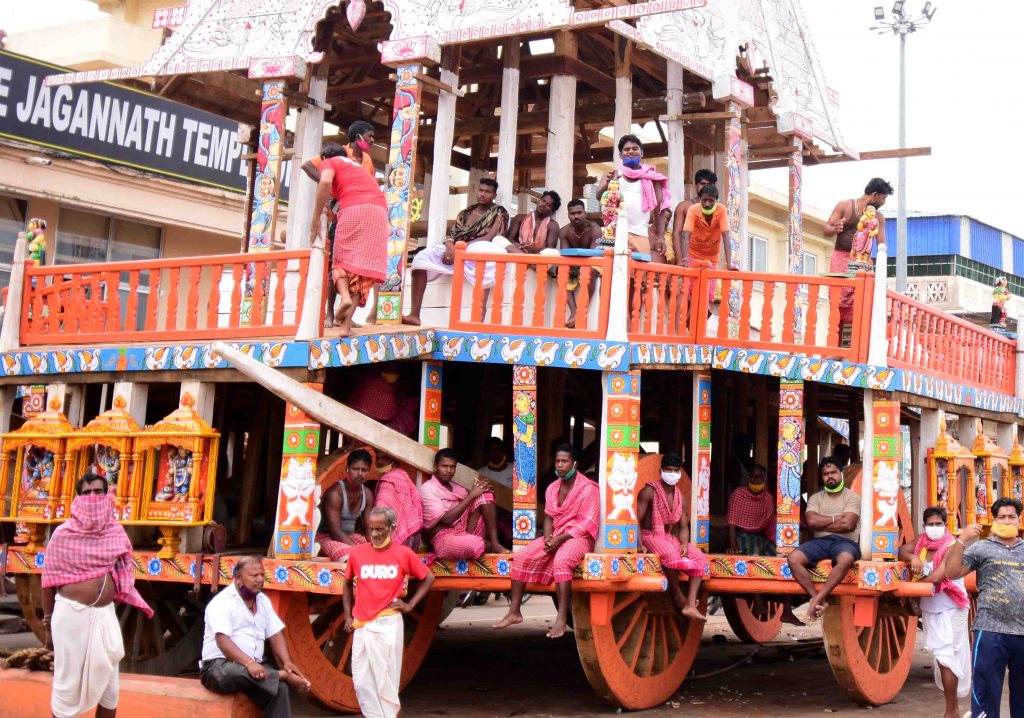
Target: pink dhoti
<point>534,565</point>
<point>667,546</point>
<point>456,542</point>
<point>840,263</point>
<point>336,550</point>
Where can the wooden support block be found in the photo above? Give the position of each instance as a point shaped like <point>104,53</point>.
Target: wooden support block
<point>865,611</point>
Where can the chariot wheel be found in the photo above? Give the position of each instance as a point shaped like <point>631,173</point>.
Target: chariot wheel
<point>164,645</point>
<point>871,663</point>
<point>751,620</point>
<point>319,646</point>
<point>636,648</point>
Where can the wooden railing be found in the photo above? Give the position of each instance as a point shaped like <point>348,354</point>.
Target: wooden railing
<point>664,304</point>
<point>190,298</point>
<point>525,300</point>
<point>938,343</point>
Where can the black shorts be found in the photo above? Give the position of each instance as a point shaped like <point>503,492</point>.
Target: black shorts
<point>828,547</point>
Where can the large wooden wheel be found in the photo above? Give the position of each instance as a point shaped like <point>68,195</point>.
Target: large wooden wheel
<point>751,620</point>
<point>315,633</point>
<point>871,663</point>
<point>164,645</point>
<point>636,648</point>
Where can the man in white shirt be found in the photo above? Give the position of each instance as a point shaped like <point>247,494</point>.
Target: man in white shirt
<point>498,468</point>
<point>239,620</point>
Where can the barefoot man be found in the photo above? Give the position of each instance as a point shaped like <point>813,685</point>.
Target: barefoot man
<point>572,517</point>
<point>239,620</point>
<point>834,515</point>
<point>580,233</point>
<point>460,524</point>
<point>88,567</point>
<point>665,530</point>
<point>376,574</point>
<point>360,235</point>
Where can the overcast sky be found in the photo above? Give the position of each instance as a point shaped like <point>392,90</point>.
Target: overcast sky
<point>963,97</point>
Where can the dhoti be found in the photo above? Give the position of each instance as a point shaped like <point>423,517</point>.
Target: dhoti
<point>377,666</point>
<point>87,648</point>
<point>947,637</point>
<point>431,261</point>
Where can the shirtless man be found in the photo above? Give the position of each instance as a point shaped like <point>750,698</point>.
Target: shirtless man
<point>700,179</point>
<point>580,233</point>
<point>530,233</point>
<point>345,507</point>
<point>481,222</point>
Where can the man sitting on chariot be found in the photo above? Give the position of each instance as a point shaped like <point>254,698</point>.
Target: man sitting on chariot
<point>834,515</point>
<point>459,524</point>
<point>572,517</point>
<point>397,491</point>
<point>345,508</point>
<point>665,530</point>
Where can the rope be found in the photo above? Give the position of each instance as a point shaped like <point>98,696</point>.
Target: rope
<point>811,645</point>
<point>34,659</point>
<point>746,659</point>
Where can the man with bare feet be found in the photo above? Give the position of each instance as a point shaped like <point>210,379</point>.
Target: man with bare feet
<point>572,517</point>
<point>360,236</point>
<point>580,233</point>
<point>239,620</point>
<point>459,524</point>
<point>665,530</point>
<point>834,515</point>
<point>476,225</point>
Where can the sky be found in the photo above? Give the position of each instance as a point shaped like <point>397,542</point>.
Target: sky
<point>962,92</point>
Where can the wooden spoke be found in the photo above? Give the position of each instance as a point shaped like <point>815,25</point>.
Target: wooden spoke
<point>320,647</point>
<point>752,620</point>
<point>641,650</point>
<point>870,662</point>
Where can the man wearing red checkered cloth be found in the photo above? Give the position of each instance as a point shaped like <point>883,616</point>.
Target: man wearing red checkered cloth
<point>397,491</point>
<point>459,524</point>
<point>572,518</point>
<point>88,566</point>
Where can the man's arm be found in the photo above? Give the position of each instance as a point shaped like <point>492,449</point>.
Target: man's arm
<point>678,222</point>
<point>421,593</point>
<point>659,218</point>
<point>323,193</point>
<point>237,655</point>
<point>311,170</point>
<point>835,222</point>
<point>552,239</point>
<point>957,564</point>
<point>346,601</point>
<point>280,648</point>
<point>496,226</point>
<point>331,506</point>
<point>367,509</point>
<point>840,523</point>
<point>453,514</point>
<point>881,230</point>
<point>643,506</point>
<point>595,234</point>
<point>513,228</point>
<point>728,250</point>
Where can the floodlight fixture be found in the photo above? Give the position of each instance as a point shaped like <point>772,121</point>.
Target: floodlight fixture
<point>879,12</point>
<point>897,7</point>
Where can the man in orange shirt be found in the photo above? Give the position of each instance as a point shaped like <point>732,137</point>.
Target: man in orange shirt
<point>705,230</point>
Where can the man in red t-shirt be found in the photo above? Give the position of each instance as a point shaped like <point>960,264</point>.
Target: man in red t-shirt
<point>380,569</point>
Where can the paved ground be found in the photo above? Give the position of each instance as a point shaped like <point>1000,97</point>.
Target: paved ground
<point>474,672</point>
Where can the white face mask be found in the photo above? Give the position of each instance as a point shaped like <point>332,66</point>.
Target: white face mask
<point>671,477</point>
<point>935,532</point>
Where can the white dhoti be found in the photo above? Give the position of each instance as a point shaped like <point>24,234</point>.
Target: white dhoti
<point>431,260</point>
<point>947,637</point>
<point>377,666</point>
<point>87,647</point>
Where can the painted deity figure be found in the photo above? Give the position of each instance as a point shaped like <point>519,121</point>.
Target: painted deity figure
<point>611,203</point>
<point>941,484</point>
<point>864,240</point>
<point>981,490</point>
<point>37,473</point>
<point>1000,296</point>
<point>108,460</point>
<point>180,468</point>
<point>34,233</point>
<point>525,450</point>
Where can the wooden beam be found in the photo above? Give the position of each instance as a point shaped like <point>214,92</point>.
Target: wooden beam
<point>831,159</point>
<point>700,116</point>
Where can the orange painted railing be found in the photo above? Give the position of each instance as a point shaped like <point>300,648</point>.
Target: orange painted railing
<point>664,303</point>
<point>785,312</point>
<point>938,343</point>
<point>534,305</point>
<point>190,298</point>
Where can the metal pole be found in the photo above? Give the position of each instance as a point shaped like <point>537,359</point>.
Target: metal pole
<point>901,182</point>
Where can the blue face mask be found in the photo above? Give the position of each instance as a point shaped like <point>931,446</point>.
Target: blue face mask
<point>631,162</point>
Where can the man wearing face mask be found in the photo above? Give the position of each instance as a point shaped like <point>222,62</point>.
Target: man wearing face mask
<point>239,621</point>
<point>945,613</point>
<point>87,568</point>
<point>572,517</point>
<point>999,624</point>
<point>834,515</point>
<point>665,530</point>
<point>842,224</point>
<point>752,516</point>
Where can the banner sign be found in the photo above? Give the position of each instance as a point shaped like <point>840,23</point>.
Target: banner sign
<point>121,126</point>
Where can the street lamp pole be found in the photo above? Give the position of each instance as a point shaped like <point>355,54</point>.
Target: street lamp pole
<point>902,24</point>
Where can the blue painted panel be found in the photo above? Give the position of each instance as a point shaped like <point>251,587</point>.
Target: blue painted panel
<point>986,244</point>
<point>1018,256</point>
<point>926,236</point>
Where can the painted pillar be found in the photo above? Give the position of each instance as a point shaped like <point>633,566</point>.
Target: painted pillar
<point>676,135</point>
<point>735,206</point>
<point>399,180</point>
<point>266,191</point>
<point>309,137</point>
<point>619,460</point>
<point>700,447</point>
<point>298,495</point>
<point>444,138</point>
<point>430,404</point>
<point>623,121</point>
<point>795,264</point>
<point>508,123</point>
<point>886,448</point>
<point>70,400</point>
<point>524,452</point>
<point>927,432</point>
<point>790,466</point>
